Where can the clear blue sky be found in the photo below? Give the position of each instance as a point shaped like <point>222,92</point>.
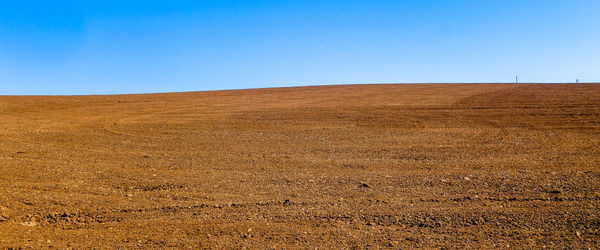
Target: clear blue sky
<point>104,47</point>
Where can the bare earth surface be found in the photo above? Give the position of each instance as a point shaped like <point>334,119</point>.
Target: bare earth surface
<point>429,165</point>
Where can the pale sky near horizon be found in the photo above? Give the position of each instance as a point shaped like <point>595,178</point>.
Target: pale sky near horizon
<point>109,47</point>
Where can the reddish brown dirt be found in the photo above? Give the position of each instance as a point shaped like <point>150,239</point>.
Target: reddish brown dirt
<point>431,165</point>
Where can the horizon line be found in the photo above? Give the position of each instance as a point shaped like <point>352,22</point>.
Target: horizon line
<point>293,86</point>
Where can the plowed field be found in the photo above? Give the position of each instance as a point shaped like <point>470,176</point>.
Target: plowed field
<point>426,165</point>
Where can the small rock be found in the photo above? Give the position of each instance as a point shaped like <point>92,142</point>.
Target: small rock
<point>364,185</point>
<point>31,223</point>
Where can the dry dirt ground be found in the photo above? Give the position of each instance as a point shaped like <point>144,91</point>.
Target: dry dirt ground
<point>391,166</point>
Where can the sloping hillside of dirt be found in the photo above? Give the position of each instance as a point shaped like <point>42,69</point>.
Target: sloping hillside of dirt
<point>398,166</point>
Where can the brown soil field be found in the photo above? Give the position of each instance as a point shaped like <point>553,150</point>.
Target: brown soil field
<point>382,166</point>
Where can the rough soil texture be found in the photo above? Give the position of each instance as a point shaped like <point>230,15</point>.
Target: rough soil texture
<point>391,166</point>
